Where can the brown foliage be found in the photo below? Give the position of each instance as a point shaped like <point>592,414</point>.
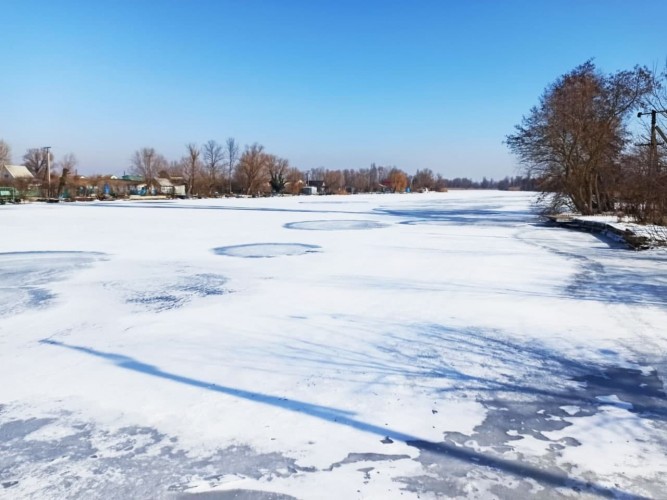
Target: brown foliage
<point>574,138</point>
<point>397,180</point>
<point>252,169</point>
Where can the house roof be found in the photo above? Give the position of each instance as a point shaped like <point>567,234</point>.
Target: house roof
<point>19,172</point>
<point>134,178</point>
<point>164,182</point>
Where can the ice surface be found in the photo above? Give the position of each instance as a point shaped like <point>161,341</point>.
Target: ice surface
<point>404,346</point>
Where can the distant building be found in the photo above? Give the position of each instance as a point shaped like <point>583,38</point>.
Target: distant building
<point>132,178</point>
<point>318,185</point>
<point>164,186</point>
<point>15,172</point>
<point>169,187</point>
<point>21,180</point>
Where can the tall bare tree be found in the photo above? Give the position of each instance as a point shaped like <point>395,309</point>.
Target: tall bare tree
<point>173,169</point>
<point>232,156</point>
<point>252,168</point>
<point>213,156</point>
<point>334,181</point>
<point>191,166</point>
<point>146,162</point>
<point>294,180</point>
<point>36,161</point>
<point>5,153</point>
<point>67,164</point>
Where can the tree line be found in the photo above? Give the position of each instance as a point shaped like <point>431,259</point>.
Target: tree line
<point>590,146</point>
<point>214,169</point>
<point>217,169</point>
<point>517,183</point>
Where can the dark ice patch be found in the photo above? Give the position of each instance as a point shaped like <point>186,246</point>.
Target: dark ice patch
<point>25,276</point>
<point>512,415</point>
<point>353,458</point>
<point>483,215</point>
<point>165,294</point>
<point>335,225</point>
<point>644,392</point>
<point>266,250</point>
<point>131,462</point>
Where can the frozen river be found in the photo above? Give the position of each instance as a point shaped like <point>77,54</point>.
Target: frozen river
<point>385,346</point>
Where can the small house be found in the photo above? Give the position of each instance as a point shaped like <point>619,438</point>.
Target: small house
<point>9,173</point>
<point>20,178</point>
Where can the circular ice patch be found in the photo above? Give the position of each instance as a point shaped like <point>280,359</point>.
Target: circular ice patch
<point>264,250</point>
<point>334,225</point>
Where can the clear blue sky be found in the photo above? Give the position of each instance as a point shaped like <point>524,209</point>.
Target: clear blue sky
<point>338,84</point>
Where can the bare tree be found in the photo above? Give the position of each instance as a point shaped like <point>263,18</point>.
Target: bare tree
<point>373,178</point>
<point>252,168</point>
<point>35,160</point>
<point>440,184</point>
<point>232,155</point>
<point>213,160</point>
<point>358,181</point>
<point>68,162</point>
<point>334,181</point>
<point>173,169</point>
<point>424,179</point>
<point>191,166</point>
<point>316,174</point>
<point>294,180</point>
<point>5,153</point>
<point>146,162</point>
<point>277,169</point>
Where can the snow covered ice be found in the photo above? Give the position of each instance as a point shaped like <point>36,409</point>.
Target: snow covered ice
<point>387,346</point>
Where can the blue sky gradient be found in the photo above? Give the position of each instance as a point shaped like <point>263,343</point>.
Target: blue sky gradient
<point>337,84</point>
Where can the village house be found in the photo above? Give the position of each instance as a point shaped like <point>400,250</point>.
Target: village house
<point>10,173</point>
<point>19,178</point>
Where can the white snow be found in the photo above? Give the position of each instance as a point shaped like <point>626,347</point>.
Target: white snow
<point>615,443</point>
<point>571,409</point>
<point>614,400</point>
<point>317,329</point>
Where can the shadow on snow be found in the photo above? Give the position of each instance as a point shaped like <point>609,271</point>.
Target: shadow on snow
<point>611,275</point>
<point>174,206</point>
<point>480,215</point>
<point>346,418</point>
<point>511,368</point>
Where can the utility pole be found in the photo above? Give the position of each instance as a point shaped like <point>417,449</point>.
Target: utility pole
<point>48,170</point>
<point>654,166</point>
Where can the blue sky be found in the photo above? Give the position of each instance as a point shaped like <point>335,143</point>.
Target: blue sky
<point>337,84</point>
